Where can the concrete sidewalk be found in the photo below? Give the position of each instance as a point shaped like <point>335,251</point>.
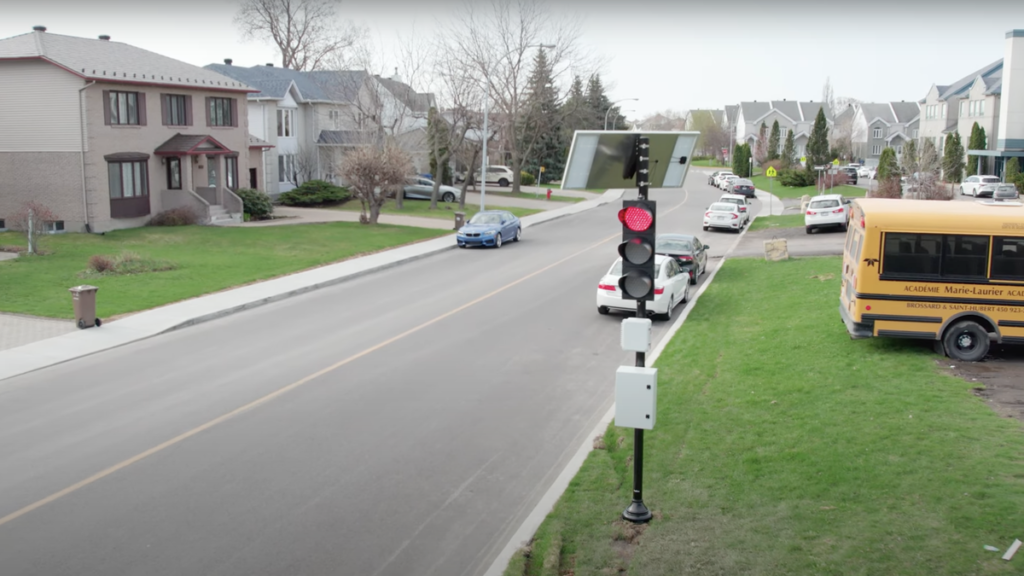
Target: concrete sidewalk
<point>76,344</point>
<point>497,199</point>
<point>291,216</point>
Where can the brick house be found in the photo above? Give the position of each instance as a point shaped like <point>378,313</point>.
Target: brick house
<point>106,135</point>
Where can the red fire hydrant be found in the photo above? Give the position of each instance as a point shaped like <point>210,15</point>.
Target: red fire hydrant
<point>549,193</point>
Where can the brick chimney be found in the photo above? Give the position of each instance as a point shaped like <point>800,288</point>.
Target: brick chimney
<point>270,64</point>
<point>228,61</point>
<point>104,37</point>
<point>1011,105</point>
<point>39,28</point>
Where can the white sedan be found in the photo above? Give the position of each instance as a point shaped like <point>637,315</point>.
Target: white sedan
<point>723,215</point>
<point>671,288</point>
<point>827,210</point>
<point>969,187</point>
<point>726,183</point>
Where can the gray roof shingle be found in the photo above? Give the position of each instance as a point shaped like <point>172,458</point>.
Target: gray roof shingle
<point>789,108</point>
<point>873,111</point>
<point>319,86</point>
<point>106,60</point>
<point>810,110</point>
<point>345,137</point>
<point>906,111</point>
<point>958,88</point>
<point>754,110</point>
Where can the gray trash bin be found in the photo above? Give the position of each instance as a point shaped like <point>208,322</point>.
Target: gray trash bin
<point>460,220</point>
<point>84,300</point>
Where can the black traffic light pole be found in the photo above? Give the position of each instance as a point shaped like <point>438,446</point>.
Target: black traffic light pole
<point>637,512</point>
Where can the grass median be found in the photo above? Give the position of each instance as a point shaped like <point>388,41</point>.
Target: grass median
<point>773,222</point>
<point>204,259</point>
<point>444,211</point>
<point>761,182</point>
<point>783,447</point>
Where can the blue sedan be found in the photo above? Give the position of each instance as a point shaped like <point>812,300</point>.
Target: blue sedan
<point>490,228</point>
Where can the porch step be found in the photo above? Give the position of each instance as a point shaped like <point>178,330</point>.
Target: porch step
<point>220,216</point>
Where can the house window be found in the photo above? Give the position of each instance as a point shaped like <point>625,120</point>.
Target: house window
<point>128,179</point>
<point>783,132</point>
<point>174,173</point>
<point>220,112</point>
<point>914,135</point>
<point>3,225</point>
<point>974,107</point>
<point>124,108</point>
<point>943,110</point>
<point>876,133</point>
<point>286,168</point>
<point>899,150</point>
<point>981,107</point>
<point>176,110</point>
<point>963,108</point>
<point>211,171</point>
<point>231,172</point>
<point>284,123</point>
<point>876,150</point>
<point>53,226</point>
<point>334,116</point>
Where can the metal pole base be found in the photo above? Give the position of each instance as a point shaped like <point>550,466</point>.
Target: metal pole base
<point>637,513</point>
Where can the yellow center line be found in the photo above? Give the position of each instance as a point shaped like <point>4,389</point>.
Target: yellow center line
<point>281,391</point>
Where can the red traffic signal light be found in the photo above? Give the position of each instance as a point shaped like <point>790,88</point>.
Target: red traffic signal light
<point>636,218</point>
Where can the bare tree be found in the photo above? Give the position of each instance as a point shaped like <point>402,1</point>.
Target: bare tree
<point>828,96</point>
<point>372,173</point>
<point>305,31</point>
<point>929,161</point>
<point>307,165</point>
<point>31,220</point>
<point>498,42</point>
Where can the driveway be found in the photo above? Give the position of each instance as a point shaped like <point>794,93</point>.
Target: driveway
<point>798,242</point>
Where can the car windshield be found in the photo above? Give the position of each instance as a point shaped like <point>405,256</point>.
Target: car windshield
<point>735,201</point>
<point>723,207</point>
<point>824,204</point>
<point>485,218</point>
<point>674,245</point>
<point>616,269</point>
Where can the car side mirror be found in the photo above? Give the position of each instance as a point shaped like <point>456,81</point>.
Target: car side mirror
<point>706,247</point>
<point>503,222</point>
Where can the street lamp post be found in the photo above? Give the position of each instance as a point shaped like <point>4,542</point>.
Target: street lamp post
<point>485,137</point>
<point>612,107</point>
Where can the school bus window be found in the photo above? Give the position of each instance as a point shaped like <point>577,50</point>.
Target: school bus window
<point>1008,258</point>
<point>912,254</point>
<point>965,256</point>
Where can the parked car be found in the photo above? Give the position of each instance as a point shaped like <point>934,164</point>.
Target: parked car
<point>490,228</point>
<point>500,175</point>
<point>741,201</point>
<point>721,176</point>
<point>866,172</point>
<point>1003,192</point>
<point>826,211</point>
<point>969,187</point>
<point>851,173</point>
<point>671,288</point>
<point>421,188</point>
<point>713,178</point>
<point>690,253</point>
<point>723,215</point>
<point>743,187</point>
<point>726,183</point>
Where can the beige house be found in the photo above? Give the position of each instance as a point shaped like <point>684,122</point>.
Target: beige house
<point>956,107</point>
<point>106,135</point>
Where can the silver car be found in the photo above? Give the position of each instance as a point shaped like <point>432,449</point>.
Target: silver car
<point>421,188</point>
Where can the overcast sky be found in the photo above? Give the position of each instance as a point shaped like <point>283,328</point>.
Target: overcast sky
<point>671,55</point>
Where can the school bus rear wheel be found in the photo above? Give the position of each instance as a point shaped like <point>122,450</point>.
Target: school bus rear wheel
<point>966,341</point>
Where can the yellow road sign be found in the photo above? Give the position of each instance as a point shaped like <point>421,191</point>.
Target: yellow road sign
<point>541,168</point>
<point>835,162</point>
<point>803,159</point>
<point>771,172</point>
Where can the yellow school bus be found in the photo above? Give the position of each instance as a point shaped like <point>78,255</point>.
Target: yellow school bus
<point>951,272</point>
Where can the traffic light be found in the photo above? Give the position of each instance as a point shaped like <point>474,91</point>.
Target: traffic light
<point>637,249</point>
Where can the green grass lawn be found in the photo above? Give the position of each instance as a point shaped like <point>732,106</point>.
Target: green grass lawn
<point>783,447</point>
<point>208,259</point>
<point>505,192</point>
<point>711,163</point>
<point>784,221</point>
<point>761,183</point>
<point>421,208</point>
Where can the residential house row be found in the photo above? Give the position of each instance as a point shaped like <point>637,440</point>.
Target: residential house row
<point>105,135</point>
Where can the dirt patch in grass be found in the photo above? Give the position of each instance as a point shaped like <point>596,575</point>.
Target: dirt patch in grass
<point>999,380</point>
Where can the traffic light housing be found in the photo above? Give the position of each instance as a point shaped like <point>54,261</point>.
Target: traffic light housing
<point>637,249</point>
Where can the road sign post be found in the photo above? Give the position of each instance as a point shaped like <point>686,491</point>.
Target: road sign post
<point>771,173</point>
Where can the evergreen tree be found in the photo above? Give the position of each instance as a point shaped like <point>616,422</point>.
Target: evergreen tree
<point>598,103</point>
<point>888,167</point>
<point>773,142</point>
<point>542,134</point>
<point>817,145</point>
<point>909,161</point>
<point>738,161</point>
<point>789,150</point>
<point>976,142</point>
<point>953,159</point>
<point>1012,174</point>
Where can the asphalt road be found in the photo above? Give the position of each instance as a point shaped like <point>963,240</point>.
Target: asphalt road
<point>401,423</point>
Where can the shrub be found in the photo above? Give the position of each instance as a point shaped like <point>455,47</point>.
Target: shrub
<point>829,181</point>
<point>255,204</point>
<point>527,179</point>
<point>184,216</point>
<point>315,193</point>
<point>100,264</point>
<point>796,177</point>
<point>888,188</point>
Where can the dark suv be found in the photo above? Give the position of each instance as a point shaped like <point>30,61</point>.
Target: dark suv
<point>851,174</point>
<point>743,187</point>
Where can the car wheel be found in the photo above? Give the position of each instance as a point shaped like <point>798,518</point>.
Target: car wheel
<point>667,316</point>
<point>686,295</point>
<point>503,182</point>
<point>519,235</point>
<point>842,227</point>
<point>693,276</point>
<point>497,240</point>
<point>966,341</point>
<point>448,197</point>
<point>705,228</point>
<point>462,245</point>
<point>808,228</point>
<point>602,310</point>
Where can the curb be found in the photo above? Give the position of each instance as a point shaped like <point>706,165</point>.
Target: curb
<point>526,531</point>
<point>171,317</point>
